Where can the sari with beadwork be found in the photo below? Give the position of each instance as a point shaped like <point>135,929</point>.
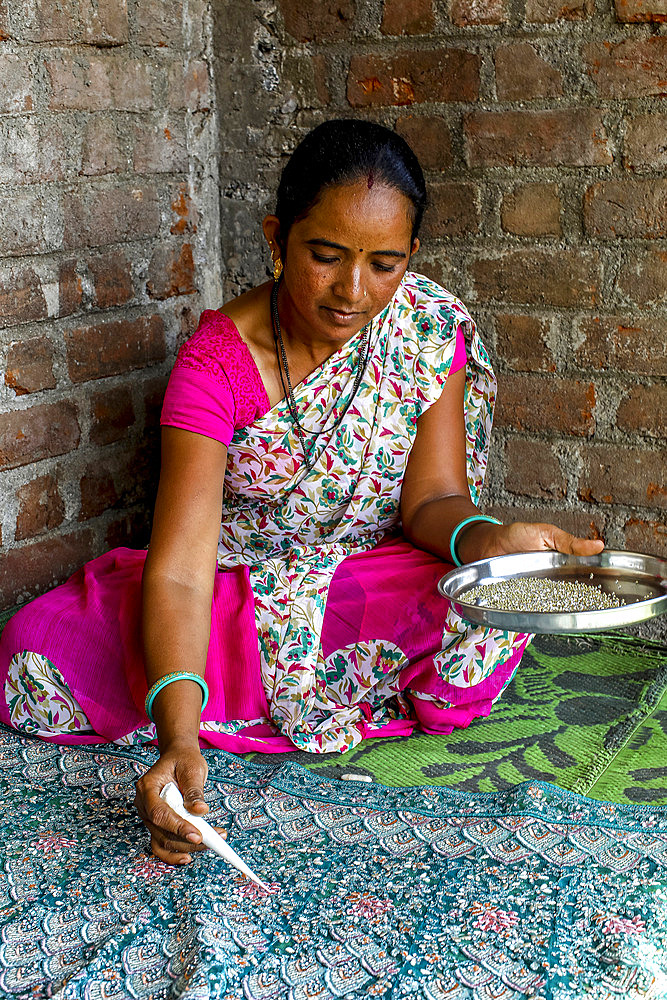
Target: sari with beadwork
<point>327,626</point>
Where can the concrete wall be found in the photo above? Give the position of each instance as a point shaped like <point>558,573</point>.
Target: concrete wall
<point>109,249</point>
<point>542,129</point>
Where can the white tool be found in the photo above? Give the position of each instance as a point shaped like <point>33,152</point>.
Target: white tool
<point>210,837</point>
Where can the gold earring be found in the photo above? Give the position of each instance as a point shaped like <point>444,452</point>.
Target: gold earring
<point>277,268</point>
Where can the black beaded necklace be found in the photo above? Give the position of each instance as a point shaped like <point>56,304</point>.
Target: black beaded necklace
<point>286,382</point>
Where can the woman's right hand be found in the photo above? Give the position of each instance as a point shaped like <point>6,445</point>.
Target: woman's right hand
<point>174,839</point>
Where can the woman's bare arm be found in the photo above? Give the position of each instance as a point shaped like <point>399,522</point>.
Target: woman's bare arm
<point>177,593</point>
<point>435,496</point>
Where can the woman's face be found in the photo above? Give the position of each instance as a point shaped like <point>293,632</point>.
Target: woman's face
<point>343,261</point>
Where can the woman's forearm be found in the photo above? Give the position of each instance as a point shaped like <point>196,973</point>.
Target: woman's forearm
<point>432,524</point>
<point>176,627</point>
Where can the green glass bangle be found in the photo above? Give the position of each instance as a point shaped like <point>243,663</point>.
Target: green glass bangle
<point>179,675</point>
<point>459,528</point>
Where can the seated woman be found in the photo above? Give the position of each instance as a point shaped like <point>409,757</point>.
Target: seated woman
<point>324,443</point>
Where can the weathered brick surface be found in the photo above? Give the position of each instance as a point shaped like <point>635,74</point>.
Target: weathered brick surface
<point>413,77</point>
<point>17,86</point>
<point>40,507</point>
<point>521,342</point>
<point>523,75</point>
<point>546,405</point>
<point>624,475</point>
<point>641,10</point>
<point>430,138</point>
<point>532,210</point>
<point>103,151</point>
<point>70,287</point>
<point>98,83</point>
<point>631,68</point>
<point>642,277</point>
<point>97,216</point>
<point>160,148</point>
<point>317,20</point>
<point>21,297</point>
<point>644,410</point>
<point>558,277</point>
<point>539,138</point>
<point>171,272</point>
<point>29,365</point>
<point>471,12</point>
<point>548,11</point>
<point>629,208</point>
<point>25,226</point>
<point>40,432</point>
<point>160,22</point>
<point>646,536</point>
<point>621,344</point>
<point>581,523</point>
<point>32,568</point>
<point>453,209</point>
<point>114,347</point>
<point>189,86</point>
<point>112,414</point>
<point>407,17</point>
<point>646,142</point>
<point>533,470</point>
<point>112,279</point>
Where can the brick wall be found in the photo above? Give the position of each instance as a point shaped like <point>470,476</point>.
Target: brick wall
<point>108,250</point>
<point>542,128</point>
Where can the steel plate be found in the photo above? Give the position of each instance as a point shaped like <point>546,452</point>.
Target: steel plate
<point>639,580</point>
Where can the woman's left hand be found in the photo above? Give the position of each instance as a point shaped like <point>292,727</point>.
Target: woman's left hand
<point>522,536</point>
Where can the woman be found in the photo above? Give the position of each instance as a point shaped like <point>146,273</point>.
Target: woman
<point>324,444</point>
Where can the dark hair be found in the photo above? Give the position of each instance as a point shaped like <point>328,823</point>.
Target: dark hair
<point>343,151</point>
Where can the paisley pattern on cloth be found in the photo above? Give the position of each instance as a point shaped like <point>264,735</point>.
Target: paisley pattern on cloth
<point>292,527</point>
<point>376,892</point>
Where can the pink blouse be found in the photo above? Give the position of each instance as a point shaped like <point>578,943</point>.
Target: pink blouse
<point>215,387</point>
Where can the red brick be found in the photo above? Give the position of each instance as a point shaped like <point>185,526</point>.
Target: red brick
<point>407,17</point>
<point>644,410</point>
<point>104,22</point>
<point>154,390</point>
<point>29,222</point>
<point>70,288</point>
<point>581,523</point>
<point>413,77</point>
<point>627,208</point>
<point>539,277</point>
<point>188,85</point>
<point>124,481</point>
<point>572,138</point>
<point>112,414</point>
<point>532,210</point>
<point>103,148</point>
<point>40,432</point>
<point>30,569</point>
<point>631,68</point>
<point>452,210</point>
<point>41,507</point>
<point>131,530</point>
<point>646,536</point>
<point>641,10</point>
<point>643,278</point>
<point>114,347</point>
<point>112,279</point>
<point>98,83</point>
<point>545,405</point>
<point>171,272</point>
<point>31,153</point>
<point>30,366</point>
<point>159,22</point>
<point>467,12</point>
<point>320,78</point>
<point>98,216</point>
<point>131,84</point>
<point>646,142</point>
<point>185,212</point>
<point>523,75</point>
<point>623,475</point>
<point>160,148</point>
<point>98,492</point>
<point>533,470</point>
<point>17,84</point>
<point>624,344</point>
<point>21,297</point>
<point>521,343</point>
<point>548,11</point>
<point>430,139</point>
<point>318,20</point>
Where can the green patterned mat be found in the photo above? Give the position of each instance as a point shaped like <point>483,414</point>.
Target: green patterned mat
<point>587,713</point>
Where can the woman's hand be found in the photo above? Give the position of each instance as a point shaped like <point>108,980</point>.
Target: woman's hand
<point>483,540</point>
<point>174,839</point>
